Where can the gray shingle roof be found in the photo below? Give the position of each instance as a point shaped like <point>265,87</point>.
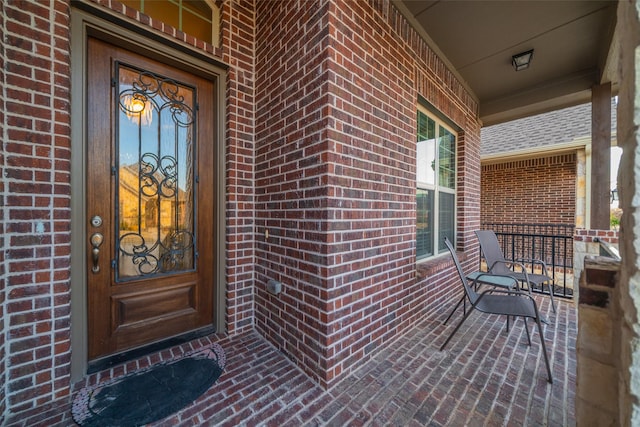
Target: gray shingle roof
<point>547,129</point>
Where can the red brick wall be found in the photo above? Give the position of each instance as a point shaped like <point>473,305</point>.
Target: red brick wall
<point>594,236</point>
<point>540,191</point>
<point>238,21</point>
<point>336,101</point>
<point>35,239</point>
<point>3,405</point>
<point>37,202</point>
<point>320,151</point>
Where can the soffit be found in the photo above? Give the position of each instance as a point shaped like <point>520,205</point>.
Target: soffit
<point>574,49</point>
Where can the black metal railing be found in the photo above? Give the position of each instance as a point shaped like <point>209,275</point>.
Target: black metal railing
<point>551,243</point>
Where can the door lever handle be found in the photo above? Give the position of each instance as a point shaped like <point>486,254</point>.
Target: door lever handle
<point>96,240</point>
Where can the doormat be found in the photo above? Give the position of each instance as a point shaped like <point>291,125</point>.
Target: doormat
<point>151,394</point>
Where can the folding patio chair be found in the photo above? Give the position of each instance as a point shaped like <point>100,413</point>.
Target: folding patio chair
<point>482,278</point>
<point>497,264</point>
<point>502,302</point>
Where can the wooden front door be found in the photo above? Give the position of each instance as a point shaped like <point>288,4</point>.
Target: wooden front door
<point>150,200</point>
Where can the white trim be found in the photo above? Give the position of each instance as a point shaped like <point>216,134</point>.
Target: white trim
<point>546,150</point>
<point>436,187</point>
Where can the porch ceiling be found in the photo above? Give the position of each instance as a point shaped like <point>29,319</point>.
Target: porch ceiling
<point>574,46</point>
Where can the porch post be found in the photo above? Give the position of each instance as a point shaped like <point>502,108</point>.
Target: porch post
<point>600,155</point>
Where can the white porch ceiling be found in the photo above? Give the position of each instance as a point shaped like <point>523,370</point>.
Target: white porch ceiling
<point>573,41</point>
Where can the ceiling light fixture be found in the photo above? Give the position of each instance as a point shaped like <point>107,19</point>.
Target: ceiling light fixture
<point>521,61</point>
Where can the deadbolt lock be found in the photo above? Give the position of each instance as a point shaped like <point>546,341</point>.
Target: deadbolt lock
<point>96,221</point>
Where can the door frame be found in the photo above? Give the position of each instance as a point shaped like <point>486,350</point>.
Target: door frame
<point>88,20</point>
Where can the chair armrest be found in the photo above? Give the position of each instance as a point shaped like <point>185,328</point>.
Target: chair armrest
<point>496,280</point>
<point>508,263</point>
<point>534,261</point>
<point>519,264</point>
<point>511,263</point>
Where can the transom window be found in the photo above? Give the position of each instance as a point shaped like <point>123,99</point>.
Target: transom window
<point>436,184</point>
<point>199,18</point>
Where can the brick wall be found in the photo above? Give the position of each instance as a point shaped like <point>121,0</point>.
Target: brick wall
<point>36,179</point>
<point>3,405</point>
<point>330,126</point>
<point>292,182</point>
<point>337,85</point>
<point>540,190</point>
<point>238,22</point>
<point>36,165</point>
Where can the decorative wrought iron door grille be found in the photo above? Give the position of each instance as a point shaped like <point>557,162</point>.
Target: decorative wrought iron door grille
<point>155,176</point>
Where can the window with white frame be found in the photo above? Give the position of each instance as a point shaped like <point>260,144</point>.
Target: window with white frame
<point>436,184</point>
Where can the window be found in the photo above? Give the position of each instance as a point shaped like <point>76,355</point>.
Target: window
<point>198,18</point>
<point>436,185</point>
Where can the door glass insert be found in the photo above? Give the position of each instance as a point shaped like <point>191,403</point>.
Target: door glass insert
<point>155,193</point>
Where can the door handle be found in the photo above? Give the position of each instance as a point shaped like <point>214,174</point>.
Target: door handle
<point>96,240</point>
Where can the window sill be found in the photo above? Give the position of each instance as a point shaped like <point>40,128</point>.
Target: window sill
<point>431,266</point>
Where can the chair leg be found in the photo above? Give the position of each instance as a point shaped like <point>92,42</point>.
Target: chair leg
<point>526,328</point>
<point>544,350</point>
<point>456,329</point>
<point>462,300</point>
<point>553,304</point>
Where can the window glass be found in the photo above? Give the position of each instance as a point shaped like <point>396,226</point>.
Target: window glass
<point>426,173</point>
<point>165,11</point>
<point>155,181</point>
<point>194,17</point>
<point>446,158</point>
<point>436,184</point>
<point>446,217</point>
<point>424,223</point>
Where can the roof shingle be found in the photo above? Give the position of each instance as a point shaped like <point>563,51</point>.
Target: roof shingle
<point>547,129</point>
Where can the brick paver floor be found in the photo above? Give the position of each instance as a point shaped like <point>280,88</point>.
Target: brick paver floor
<point>485,377</point>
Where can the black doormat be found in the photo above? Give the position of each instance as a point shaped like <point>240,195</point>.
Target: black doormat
<point>151,394</point>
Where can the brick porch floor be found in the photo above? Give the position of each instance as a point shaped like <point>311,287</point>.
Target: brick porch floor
<point>484,377</point>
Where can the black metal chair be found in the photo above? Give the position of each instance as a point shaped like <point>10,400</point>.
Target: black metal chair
<point>483,278</point>
<point>498,264</point>
<point>502,302</point>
